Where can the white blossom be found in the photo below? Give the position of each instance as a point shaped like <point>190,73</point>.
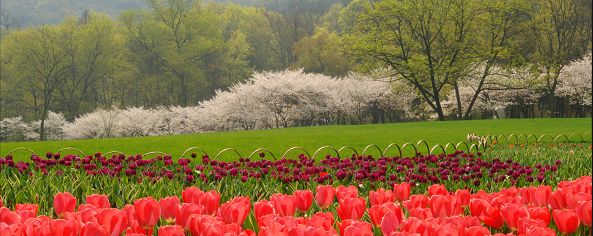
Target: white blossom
<point>575,81</point>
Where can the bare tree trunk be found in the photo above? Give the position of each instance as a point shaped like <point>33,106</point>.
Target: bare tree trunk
<point>459,112</point>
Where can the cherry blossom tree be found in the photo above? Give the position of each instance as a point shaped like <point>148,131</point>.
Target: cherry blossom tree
<point>575,82</point>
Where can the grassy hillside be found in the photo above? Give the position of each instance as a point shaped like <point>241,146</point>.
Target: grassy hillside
<point>311,138</point>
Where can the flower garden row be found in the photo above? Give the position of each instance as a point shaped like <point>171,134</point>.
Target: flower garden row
<point>512,211</point>
<point>422,169</point>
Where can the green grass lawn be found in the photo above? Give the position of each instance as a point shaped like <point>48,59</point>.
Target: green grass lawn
<point>311,138</point>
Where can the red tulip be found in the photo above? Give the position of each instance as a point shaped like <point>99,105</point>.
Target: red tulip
<point>448,229</point>
<point>461,221</point>
<point>10,229</point>
<point>63,227</point>
<point>380,196</point>
<point>9,217</point>
<point>235,211</point>
<point>566,220</point>
<point>27,207</point>
<point>324,196</point>
<point>169,207</point>
<point>401,192</point>
<point>263,208</point>
<point>390,222</point>
<point>498,201</point>
<point>437,189</point>
<point>477,207</point>
<point>113,220</point>
<point>284,205</point>
<point>64,202</point>
<point>92,229</point>
<point>512,213</point>
<point>209,225</point>
<point>26,214</point>
<point>574,199</point>
<point>88,215</point>
<point>315,231</point>
<point>541,195</point>
<point>272,229</point>
<point>232,229</point>
<point>147,212</point>
<point>526,223</point>
<point>37,226</point>
<point>214,228</point>
<point>492,217</point>
<point>378,211</point>
<point>322,219</point>
<point>210,200</point>
<point>191,195</point>
<point>540,231</point>
<point>85,206</point>
<point>355,227</point>
<point>415,225</point>
<point>130,213</point>
<point>444,206</point>
<point>247,232</point>
<point>583,210</point>
<point>526,195</point>
<point>540,213</point>
<point>137,229</point>
<point>416,201</point>
<point>559,198</point>
<point>463,196</point>
<point>355,230</point>
<point>185,211</point>
<point>304,199</point>
<point>98,200</point>
<point>477,231</point>
<point>421,213</point>
<point>351,208</point>
<point>344,192</point>
<point>171,230</point>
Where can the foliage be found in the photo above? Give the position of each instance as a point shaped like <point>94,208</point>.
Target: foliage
<point>435,45</point>
<point>320,53</point>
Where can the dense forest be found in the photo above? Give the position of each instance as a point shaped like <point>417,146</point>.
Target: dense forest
<point>74,57</point>
<point>22,13</point>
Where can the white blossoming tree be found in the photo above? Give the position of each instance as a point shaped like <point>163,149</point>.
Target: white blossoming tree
<point>13,129</point>
<point>575,83</point>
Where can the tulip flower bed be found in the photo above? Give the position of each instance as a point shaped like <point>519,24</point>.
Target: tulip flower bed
<point>126,178</point>
<point>337,211</point>
<point>457,192</point>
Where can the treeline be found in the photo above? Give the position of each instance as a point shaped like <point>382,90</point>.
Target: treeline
<point>24,13</point>
<point>452,53</point>
<point>177,53</point>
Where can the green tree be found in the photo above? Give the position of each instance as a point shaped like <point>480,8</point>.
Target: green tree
<point>181,40</point>
<point>562,33</point>
<point>321,53</point>
<point>255,26</point>
<point>418,40</point>
<point>492,35</point>
<point>35,59</point>
<point>94,55</point>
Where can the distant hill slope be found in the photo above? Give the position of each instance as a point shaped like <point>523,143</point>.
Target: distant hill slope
<point>36,12</point>
<point>22,13</point>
